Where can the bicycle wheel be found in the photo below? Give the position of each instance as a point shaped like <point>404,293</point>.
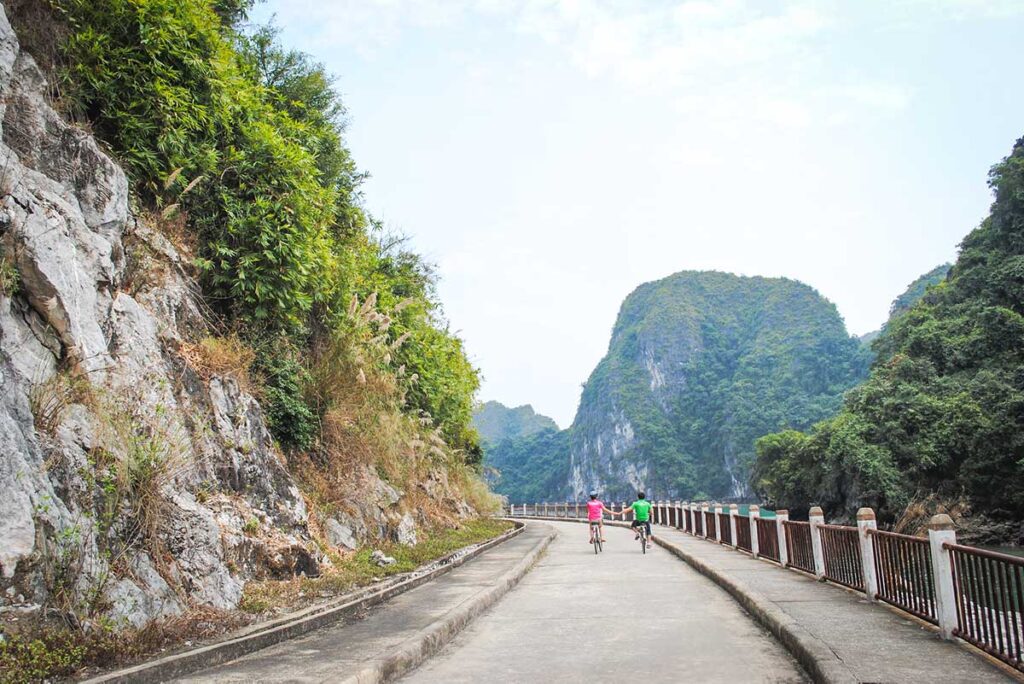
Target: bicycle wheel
<point>643,542</point>
<point>598,544</point>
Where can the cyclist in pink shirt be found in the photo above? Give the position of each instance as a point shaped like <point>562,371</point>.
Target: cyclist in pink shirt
<point>595,513</point>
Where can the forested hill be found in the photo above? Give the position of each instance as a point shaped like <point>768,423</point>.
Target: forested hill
<point>941,417</point>
<point>914,292</point>
<point>918,288</point>
<point>496,422</point>
<point>700,364</point>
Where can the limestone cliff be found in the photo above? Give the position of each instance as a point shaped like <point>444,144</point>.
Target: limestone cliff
<point>134,482</point>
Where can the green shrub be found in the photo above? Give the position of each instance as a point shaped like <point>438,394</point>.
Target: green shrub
<point>245,139</point>
<point>292,422</point>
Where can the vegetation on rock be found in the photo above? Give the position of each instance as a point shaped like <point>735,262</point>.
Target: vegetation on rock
<point>245,139</point>
<point>942,412</point>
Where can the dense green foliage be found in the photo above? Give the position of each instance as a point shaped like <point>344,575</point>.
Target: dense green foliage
<point>496,422</point>
<point>943,409</point>
<point>910,296</point>
<point>245,139</point>
<point>918,289</point>
<point>531,467</point>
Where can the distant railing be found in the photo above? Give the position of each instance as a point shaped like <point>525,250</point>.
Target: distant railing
<point>743,539</point>
<point>970,593</point>
<point>768,539</point>
<point>710,529</point>
<point>726,527</point>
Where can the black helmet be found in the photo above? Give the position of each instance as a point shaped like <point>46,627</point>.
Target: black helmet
<point>641,495</point>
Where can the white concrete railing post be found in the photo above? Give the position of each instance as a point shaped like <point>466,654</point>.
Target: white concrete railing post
<point>780,529</point>
<point>866,523</point>
<point>755,513</point>
<point>692,507</point>
<point>816,517</point>
<point>942,531</point>
<point>718,522</point>
<point>734,511</point>
<point>704,508</point>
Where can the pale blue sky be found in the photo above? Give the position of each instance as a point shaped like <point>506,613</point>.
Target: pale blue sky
<point>551,155</point>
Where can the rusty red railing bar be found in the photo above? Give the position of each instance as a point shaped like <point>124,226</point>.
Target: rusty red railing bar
<point>989,589</point>
<point>798,545</point>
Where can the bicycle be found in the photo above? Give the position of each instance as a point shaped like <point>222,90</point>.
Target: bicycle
<point>595,537</point>
<point>642,531</point>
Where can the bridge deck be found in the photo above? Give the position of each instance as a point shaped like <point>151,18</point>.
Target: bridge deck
<point>615,617</point>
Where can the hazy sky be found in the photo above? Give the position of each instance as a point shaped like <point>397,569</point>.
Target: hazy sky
<point>551,155</point>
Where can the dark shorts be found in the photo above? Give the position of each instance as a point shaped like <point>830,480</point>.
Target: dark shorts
<point>638,523</point>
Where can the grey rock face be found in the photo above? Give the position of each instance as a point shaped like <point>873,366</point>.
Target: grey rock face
<point>77,322</point>
<point>340,535</point>
<point>405,533</point>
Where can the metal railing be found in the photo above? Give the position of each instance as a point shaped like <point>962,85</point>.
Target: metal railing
<point>799,547</point>
<point>903,566</point>
<point>710,529</point>
<point>743,533</point>
<point>841,549</point>
<point>768,539</point>
<point>723,524</point>
<point>971,593</point>
<point>989,590</point>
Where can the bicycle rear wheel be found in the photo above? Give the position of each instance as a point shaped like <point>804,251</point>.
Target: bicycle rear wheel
<point>643,542</point>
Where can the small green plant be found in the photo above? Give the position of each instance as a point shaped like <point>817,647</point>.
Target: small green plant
<point>10,279</point>
<point>289,417</point>
<point>251,526</point>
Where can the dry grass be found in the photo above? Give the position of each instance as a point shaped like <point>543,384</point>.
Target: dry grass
<point>34,651</point>
<point>917,514</point>
<point>356,569</point>
<point>49,399</point>
<point>136,456</point>
<point>366,424</point>
<point>221,356</point>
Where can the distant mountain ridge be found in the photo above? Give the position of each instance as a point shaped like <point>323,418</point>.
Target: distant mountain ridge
<point>496,422</point>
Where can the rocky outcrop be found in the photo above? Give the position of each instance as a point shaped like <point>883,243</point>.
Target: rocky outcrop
<point>131,485</point>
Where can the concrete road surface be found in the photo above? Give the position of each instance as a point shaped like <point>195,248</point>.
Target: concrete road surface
<point>615,617</point>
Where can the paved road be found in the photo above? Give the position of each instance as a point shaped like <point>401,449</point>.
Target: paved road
<point>615,617</point>
<point>341,650</point>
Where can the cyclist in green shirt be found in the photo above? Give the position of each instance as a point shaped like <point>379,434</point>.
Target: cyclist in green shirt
<point>641,514</point>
